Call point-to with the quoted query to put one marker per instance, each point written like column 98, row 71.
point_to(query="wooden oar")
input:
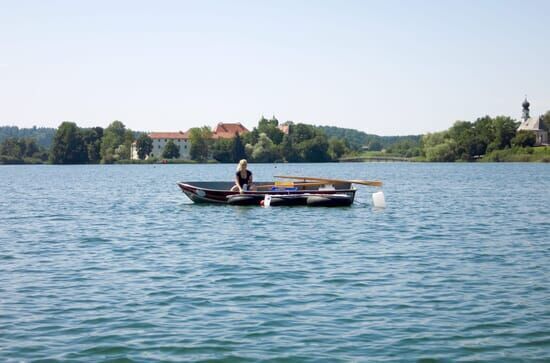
column 374, row 183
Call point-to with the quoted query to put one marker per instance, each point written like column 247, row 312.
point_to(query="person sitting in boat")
column 243, row 178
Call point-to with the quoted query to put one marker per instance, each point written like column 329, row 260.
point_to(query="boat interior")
column 273, row 186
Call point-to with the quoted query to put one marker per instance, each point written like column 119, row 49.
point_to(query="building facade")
column 181, row 139
column 160, row 139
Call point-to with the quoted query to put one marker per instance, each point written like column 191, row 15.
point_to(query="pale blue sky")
column 384, row 67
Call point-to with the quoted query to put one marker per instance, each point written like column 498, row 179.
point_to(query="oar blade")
column 372, row 183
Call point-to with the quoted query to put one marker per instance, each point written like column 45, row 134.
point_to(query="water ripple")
column 112, row 263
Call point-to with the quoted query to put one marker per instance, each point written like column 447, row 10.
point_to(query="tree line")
column 266, row 143
column 483, row 138
column 76, row 145
column 14, row 150
column 468, row 141
column 43, row 136
column 356, row 140
column 25, row 145
column 72, row 144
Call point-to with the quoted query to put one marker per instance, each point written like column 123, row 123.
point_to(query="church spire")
column 525, row 106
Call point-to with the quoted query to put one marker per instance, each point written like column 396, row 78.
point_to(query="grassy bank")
column 8, row 160
column 367, row 156
column 528, row 154
column 514, row 154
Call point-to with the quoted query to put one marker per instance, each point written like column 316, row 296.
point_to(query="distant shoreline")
column 539, row 154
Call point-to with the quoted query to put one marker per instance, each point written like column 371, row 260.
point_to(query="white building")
column 223, row 130
column 534, row 125
column 160, row 139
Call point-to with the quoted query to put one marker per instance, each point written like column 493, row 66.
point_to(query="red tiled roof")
column 228, row 130
column 169, row 135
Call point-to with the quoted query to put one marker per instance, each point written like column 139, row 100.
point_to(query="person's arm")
column 237, row 183
column 251, row 185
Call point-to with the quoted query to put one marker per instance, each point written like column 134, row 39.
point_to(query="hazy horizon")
column 391, row 68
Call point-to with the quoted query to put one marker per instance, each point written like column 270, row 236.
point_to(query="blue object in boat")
column 289, row 189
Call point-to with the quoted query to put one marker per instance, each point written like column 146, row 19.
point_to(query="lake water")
column 114, row 263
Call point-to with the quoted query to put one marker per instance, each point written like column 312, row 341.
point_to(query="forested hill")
column 356, row 139
column 42, row 135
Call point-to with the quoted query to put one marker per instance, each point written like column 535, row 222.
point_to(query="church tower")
column 525, row 106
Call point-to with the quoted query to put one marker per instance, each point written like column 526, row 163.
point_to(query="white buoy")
column 267, row 200
column 378, row 199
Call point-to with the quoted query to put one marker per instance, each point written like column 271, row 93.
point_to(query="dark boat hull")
column 218, row 192
column 289, row 200
column 245, row 199
column 335, row 200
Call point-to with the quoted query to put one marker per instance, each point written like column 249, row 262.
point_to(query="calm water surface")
column 107, row 263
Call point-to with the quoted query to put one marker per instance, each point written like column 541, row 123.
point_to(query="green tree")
column 463, row 133
column 484, row 134
column 504, row 131
column 171, row 150
column 68, row 146
column 222, row 150
column 11, row 147
column 375, row 145
column 265, row 150
column 22, row 147
column 271, row 129
column 200, row 143
column 238, row 151
column 435, row 138
column 315, row 149
column 113, row 136
column 41, row 135
column 445, row 151
column 405, row 147
column 31, row 147
column 125, row 152
column 524, row 138
column 303, row 132
column 92, row 140
column 336, row 148
column 251, row 137
column 144, row 146
column 439, row 146
column 546, row 121
column 288, row 151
